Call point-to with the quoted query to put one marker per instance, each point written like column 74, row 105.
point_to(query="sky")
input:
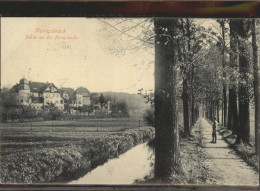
column 83, row 58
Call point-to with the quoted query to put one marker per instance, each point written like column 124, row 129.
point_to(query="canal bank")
column 61, row 163
column 134, row 164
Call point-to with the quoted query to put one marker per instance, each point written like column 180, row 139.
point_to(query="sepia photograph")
column 130, row 101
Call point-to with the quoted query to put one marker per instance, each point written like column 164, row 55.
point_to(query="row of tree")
column 232, row 89
column 215, row 69
column 224, row 75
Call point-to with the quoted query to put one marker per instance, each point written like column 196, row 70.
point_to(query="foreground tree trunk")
column 185, row 88
column 191, row 75
column 232, row 106
column 167, row 161
column 243, row 95
column 256, row 83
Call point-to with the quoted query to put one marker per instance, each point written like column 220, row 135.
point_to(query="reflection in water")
column 132, row 165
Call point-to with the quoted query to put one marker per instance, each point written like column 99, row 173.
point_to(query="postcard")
column 129, row 101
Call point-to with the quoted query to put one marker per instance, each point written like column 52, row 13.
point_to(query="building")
column 68, row 95
column 76, row 98
column 82, row 97
column 38, row 94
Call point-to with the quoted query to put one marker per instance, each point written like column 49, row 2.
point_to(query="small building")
column 82, row 97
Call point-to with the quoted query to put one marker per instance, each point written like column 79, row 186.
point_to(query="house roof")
column 15, row 88
column 69, row 91
column 82, row 90
column 38, row 87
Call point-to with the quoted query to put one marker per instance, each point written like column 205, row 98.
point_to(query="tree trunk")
column 222, row 114
column 191, row 75
column 256, row 82
column 193, row 120
column 185, row 88
column 243, row 96
column 185, row 102
column 167, row 160
column 222, row 24
column 234, row 114
column 218, row 113
column 234, row 59
column 230, row 117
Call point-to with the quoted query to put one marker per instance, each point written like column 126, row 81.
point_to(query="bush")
column 45, row 114
column 19, row 113
column 29, row 112
column 51, row 114
column 56, row 113
column 148, row 117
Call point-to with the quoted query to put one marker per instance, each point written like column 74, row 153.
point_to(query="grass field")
column 57, row 146
column 23, row 137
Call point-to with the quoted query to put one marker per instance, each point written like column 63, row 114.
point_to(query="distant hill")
column 134, row 102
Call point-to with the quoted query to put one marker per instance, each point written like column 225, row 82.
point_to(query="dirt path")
column 228, row 168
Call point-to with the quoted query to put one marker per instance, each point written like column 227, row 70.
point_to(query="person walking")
column 214, row 131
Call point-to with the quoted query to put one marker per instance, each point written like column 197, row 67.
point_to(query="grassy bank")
column 192, row 156
column 38, row 156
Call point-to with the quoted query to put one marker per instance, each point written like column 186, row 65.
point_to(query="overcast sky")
column 83, row 60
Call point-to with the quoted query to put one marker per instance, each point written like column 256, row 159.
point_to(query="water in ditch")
column 134, row 164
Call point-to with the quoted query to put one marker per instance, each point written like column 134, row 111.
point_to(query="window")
column 21, row 101
column 61, row 101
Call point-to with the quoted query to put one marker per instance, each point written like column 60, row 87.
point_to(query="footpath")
column 223, row 163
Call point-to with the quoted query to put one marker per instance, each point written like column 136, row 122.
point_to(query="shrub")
column 148, row 117
column 45, row 114
column 56, row 113
column 29, row 112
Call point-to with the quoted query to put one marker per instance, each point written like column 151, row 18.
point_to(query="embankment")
column 68, row 162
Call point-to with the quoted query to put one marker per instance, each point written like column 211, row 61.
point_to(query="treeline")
column 133, row 102
column 231, row 79
column 120, row 105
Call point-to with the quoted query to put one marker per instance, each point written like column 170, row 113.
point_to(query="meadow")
column 59, row 151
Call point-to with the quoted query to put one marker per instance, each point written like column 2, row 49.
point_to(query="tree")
column 185, row 88
column 223, row 45
column 167, row 158
column 190, row 43
column 243, row 133
column 256, row 72
column 207, row 81
column 234, row 62
column 119, row 108
column 101, row 100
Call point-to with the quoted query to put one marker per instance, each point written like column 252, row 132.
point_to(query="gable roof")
column 82, row 90
column 38, row 87
column 69, row 91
